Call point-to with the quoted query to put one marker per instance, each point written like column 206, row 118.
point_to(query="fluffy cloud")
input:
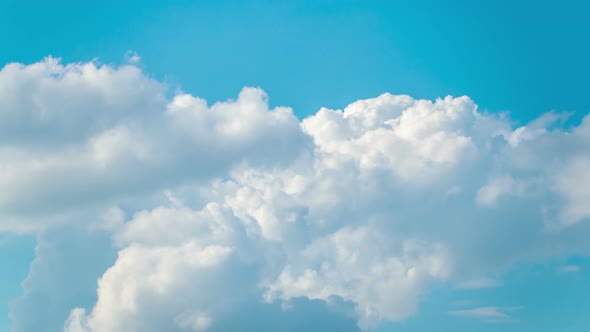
column 414, row 139
column 219, row 209
column 364, row 267
column 81, row 135
column 145, row 287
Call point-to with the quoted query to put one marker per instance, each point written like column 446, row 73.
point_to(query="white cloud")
column 81, row 135
column 480, row 283
column 414, row 139
column 197, row 321
column 76, row 322
column 488, row 314
column 497, row 187
column 132, row 57
column 215, row 207
column 573, row 182
column 570, row 269
column 147, row 285
column 364, row 267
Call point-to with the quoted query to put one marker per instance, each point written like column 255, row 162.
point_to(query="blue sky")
column 525, row 58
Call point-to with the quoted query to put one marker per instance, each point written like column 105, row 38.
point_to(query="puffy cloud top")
column 216, row 208
column 82, row 134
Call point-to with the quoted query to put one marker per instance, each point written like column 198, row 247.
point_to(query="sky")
column 287, row 166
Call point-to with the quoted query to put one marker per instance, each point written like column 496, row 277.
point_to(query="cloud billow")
column 223, row 209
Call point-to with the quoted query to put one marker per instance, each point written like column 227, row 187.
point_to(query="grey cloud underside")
column 232, row 208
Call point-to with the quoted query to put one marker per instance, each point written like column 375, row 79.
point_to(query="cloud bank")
column 228, row 209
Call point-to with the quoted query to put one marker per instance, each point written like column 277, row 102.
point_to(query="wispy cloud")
column 132, row 57
column 488, row 314
column 569, row 269
column 480, row 283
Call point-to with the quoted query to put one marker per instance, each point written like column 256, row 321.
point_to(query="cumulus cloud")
column 414, row 139
column 83, row 134
column 216, row 210
column 145, row 287
column 364, row 267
